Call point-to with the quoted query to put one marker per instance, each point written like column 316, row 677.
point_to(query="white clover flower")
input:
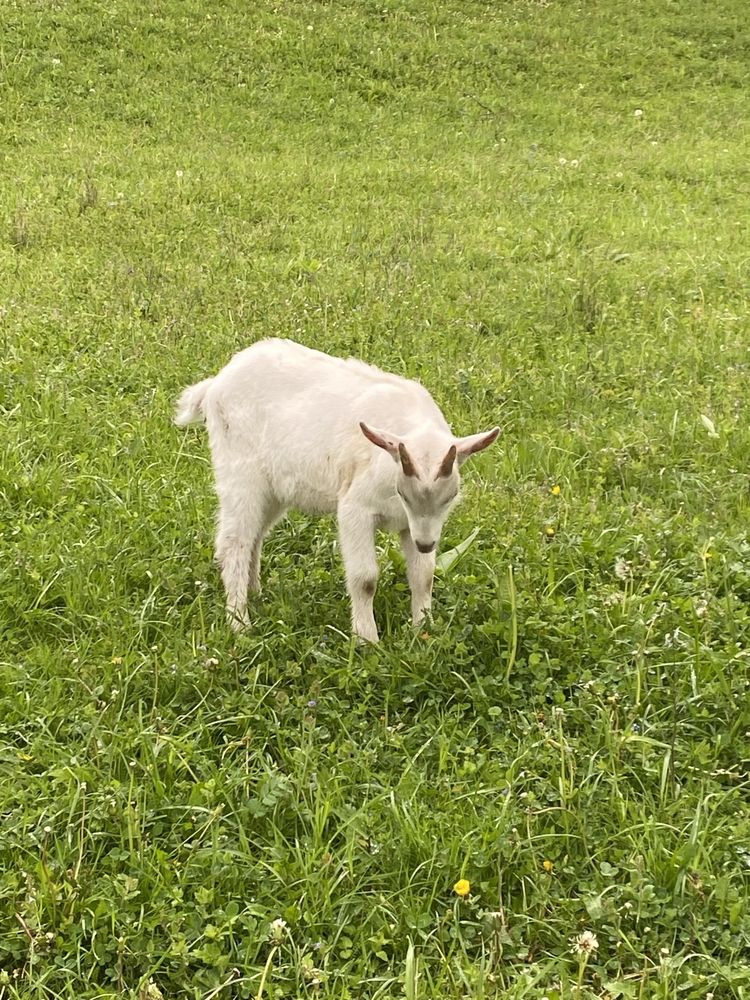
column 638, row 113
column 622, row 568
column 674, row 639
column 585, row 944
column 276, row 930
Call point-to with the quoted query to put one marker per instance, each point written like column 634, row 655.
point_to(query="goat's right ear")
column 391, row 443
column 388, row 442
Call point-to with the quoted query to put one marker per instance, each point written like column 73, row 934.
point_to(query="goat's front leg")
column 357, row 539
column 420, row 570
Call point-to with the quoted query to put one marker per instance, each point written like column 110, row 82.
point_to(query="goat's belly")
column 310, row 500
column 315, row 505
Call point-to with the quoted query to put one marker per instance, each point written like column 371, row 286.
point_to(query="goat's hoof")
column 237, row 622
column 366, row 640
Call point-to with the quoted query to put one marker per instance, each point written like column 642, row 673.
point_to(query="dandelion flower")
column 549, row 531
column 555, row 490
column 462, row 888
column 548, row 866
column 585, row 944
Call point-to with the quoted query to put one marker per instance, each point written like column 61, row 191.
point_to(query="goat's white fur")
column 291, row 427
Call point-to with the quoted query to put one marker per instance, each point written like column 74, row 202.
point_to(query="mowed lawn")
column 540, row 210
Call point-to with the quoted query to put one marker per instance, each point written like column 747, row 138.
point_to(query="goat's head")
column 427, row 478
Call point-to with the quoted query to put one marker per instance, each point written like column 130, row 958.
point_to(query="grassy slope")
column 462, row 192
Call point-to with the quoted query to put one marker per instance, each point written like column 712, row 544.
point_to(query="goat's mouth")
column 425, row 546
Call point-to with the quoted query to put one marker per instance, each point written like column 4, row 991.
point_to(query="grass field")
column 541, row 211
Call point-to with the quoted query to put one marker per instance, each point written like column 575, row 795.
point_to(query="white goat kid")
column 295, row 428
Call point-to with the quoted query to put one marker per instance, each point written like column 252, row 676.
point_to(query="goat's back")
column 288, row 384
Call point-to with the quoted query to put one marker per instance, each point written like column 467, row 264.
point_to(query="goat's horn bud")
column 446, row 466
column 406, row 463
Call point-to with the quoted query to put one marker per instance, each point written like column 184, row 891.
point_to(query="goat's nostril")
column 425, row 546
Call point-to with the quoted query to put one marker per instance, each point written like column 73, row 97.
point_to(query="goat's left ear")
column 467, row 446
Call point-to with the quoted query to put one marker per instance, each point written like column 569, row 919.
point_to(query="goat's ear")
column 467, row 446
column 446, row 466
column 388, row 442
column 391, row 443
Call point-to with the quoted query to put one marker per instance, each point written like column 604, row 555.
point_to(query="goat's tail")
column 190, row 404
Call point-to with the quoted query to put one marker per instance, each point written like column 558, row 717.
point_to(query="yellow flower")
column 117, row 660
column 549, row 531
column 547, row 865
column 462, row 888
column 555, row 491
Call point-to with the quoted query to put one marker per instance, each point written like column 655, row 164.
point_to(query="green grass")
column 464, row 193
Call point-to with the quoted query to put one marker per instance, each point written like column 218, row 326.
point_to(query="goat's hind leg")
column 270, row 511
column 245, row 515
